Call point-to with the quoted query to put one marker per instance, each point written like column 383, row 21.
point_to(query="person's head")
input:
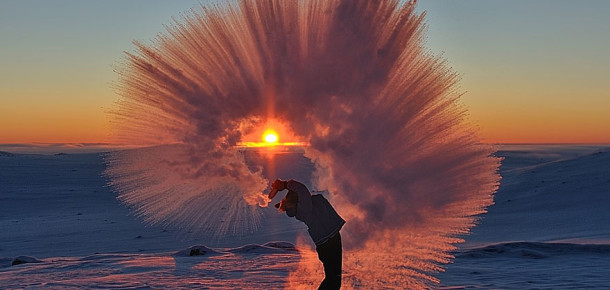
column 291, row 198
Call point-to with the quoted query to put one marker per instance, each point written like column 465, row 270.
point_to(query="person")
column 323, row 224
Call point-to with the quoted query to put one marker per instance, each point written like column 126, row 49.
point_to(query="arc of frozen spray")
column 389, row 138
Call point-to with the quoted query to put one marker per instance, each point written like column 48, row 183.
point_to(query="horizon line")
column 243, row 144
column 99, row 147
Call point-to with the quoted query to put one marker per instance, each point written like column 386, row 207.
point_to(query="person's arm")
column 304, row 205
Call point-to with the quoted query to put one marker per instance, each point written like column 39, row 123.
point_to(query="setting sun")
column 270, row 136
column 267, row 135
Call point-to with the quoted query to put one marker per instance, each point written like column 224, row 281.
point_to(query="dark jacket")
column 315, row 211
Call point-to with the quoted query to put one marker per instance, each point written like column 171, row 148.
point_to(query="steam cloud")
column 388, row 136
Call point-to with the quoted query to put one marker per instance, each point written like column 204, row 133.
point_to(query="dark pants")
column 330, row 253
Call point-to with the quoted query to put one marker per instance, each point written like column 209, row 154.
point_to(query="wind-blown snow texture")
column 388, row 137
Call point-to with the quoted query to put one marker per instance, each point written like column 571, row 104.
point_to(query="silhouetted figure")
column 323, row 224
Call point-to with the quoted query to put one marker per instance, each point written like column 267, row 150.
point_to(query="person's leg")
column 330, row 253
column 336, row 262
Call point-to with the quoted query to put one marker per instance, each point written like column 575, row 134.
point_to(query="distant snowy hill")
column 6, row 154
column 550, row 194
column 549, row 226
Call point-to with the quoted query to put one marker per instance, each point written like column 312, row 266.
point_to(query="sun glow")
column 268, row 134
column 270, row 137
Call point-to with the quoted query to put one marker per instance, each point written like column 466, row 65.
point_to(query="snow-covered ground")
column 62, row 227
column 549, row 227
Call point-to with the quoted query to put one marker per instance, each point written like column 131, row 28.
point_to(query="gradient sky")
column 533, row 71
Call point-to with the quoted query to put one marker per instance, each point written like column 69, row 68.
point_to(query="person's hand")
column 277, row 185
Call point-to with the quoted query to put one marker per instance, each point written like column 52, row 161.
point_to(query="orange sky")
column 63, row 126
column 518, row 121
column 48, row 112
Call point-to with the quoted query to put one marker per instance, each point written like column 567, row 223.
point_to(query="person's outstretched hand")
column 277, row 185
